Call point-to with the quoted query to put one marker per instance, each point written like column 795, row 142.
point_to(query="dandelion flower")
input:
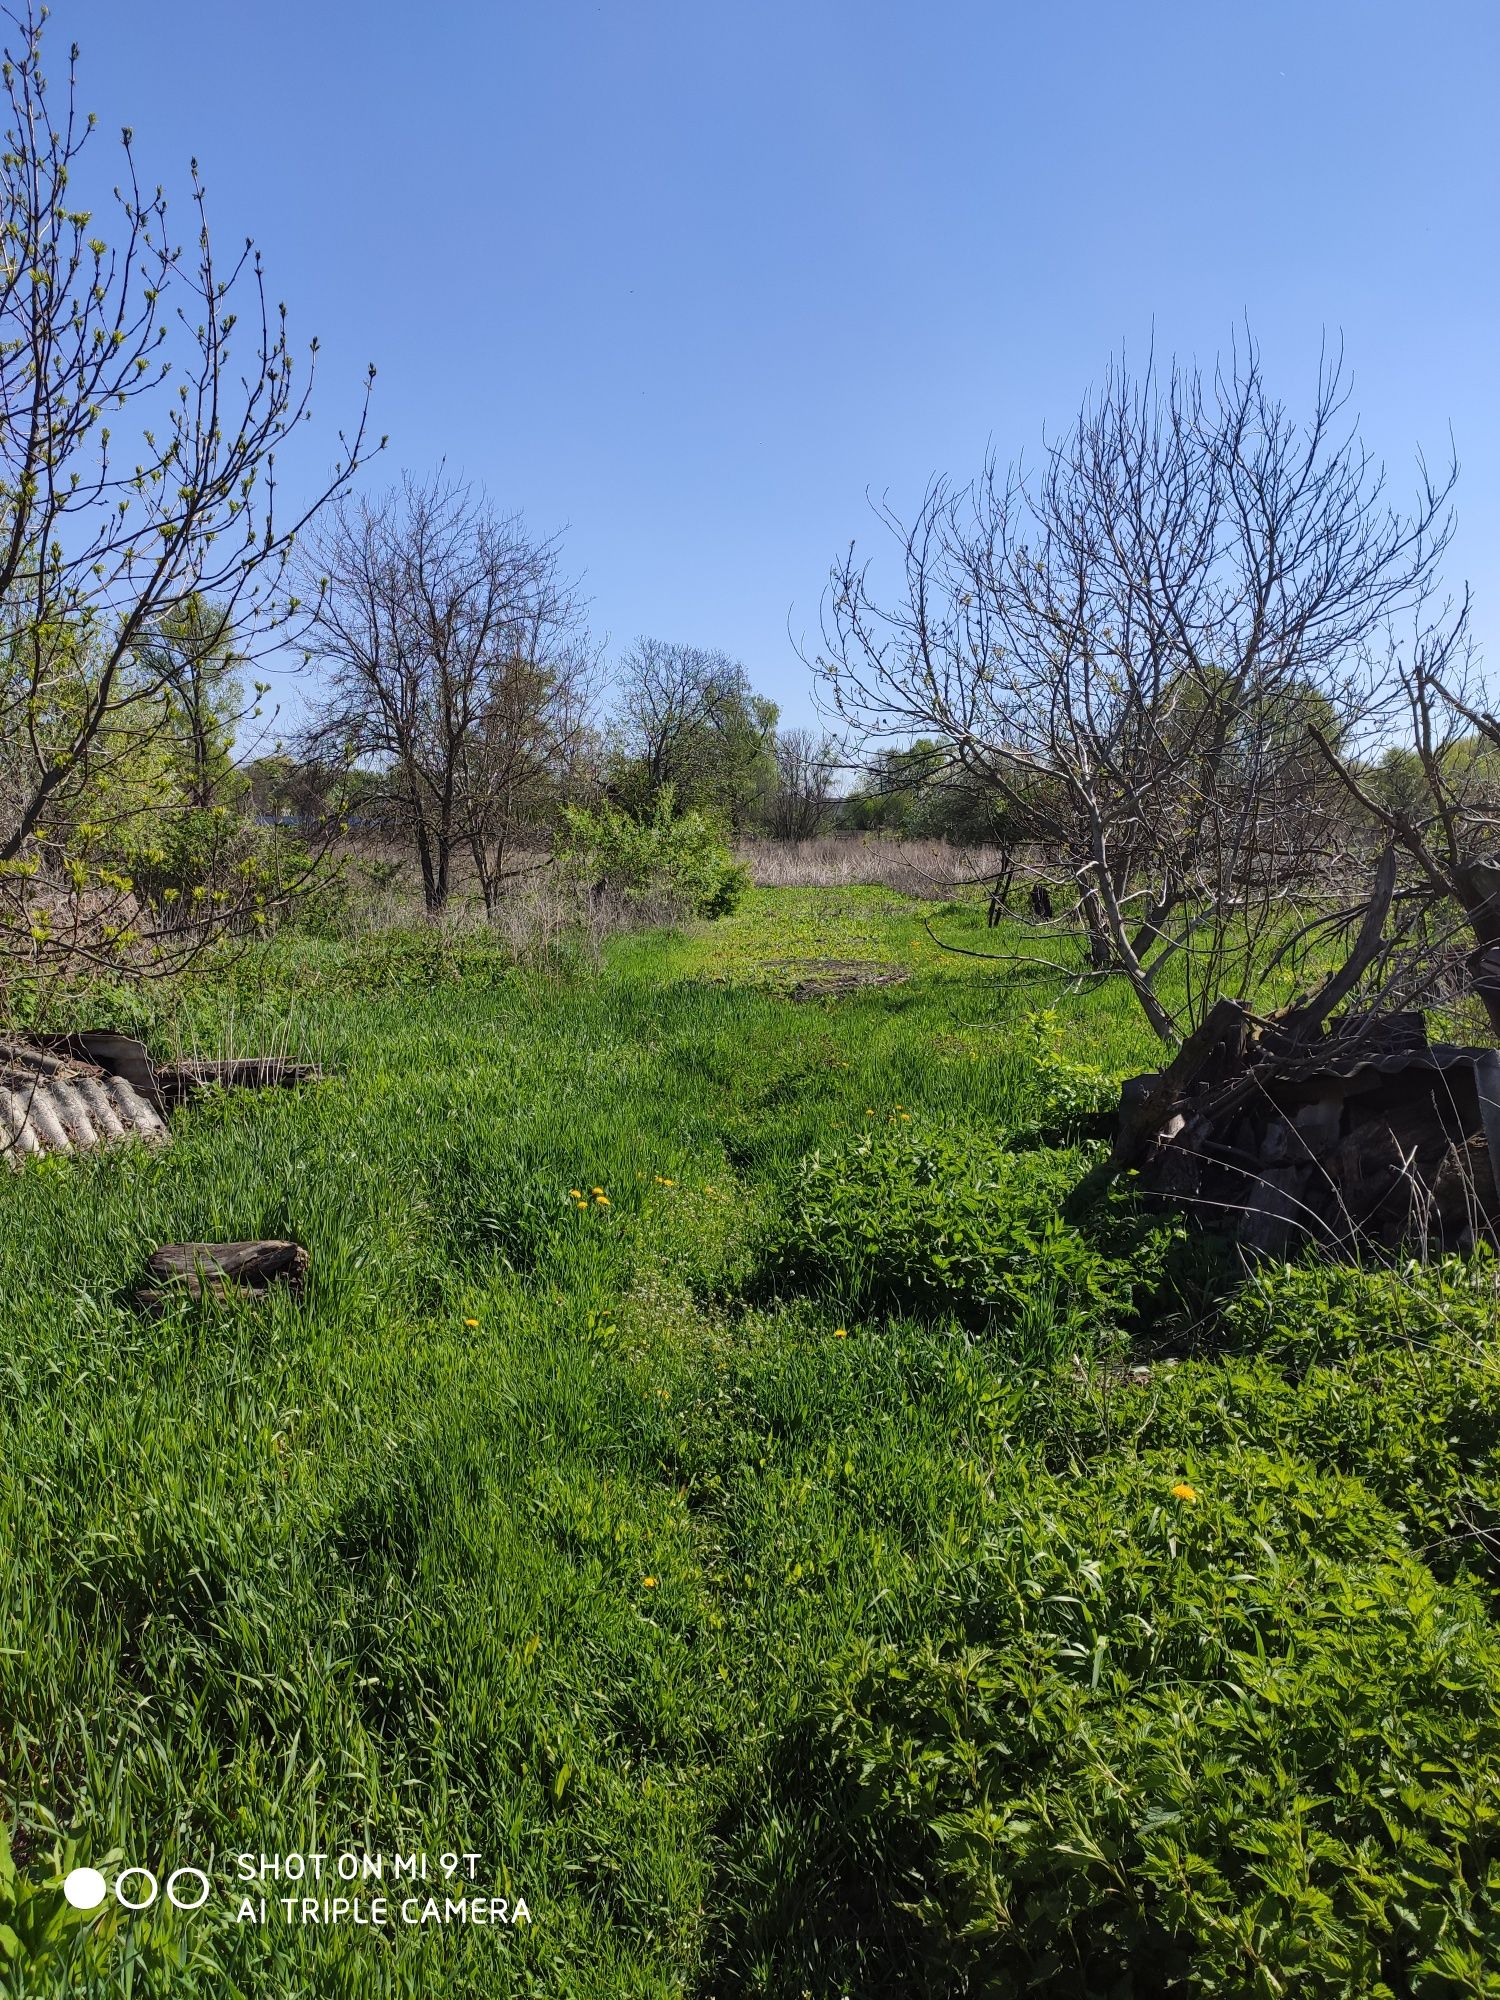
column 1182, row 1491
column 596, row 1190
column 601, row 1201
column 471, row 1322
column 577, row 1193
column 841, row 1333
column 648, row 1583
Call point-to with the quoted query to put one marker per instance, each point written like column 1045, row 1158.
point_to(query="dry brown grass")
column 931, row 869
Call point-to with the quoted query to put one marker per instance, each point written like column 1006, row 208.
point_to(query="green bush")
column 1390, row 1376
column 1171, row 1726
column 1069, row 1096
column 661, row 857
column 1315, row 1311
column 904, row 1224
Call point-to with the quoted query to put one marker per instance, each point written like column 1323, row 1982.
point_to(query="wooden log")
column 219, row 1270
column 179, row 1082
column 1146, row 1103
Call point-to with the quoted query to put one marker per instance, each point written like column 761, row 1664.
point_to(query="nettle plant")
column 900, row 1223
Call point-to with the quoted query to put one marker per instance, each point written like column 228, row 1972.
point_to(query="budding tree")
column 688, row 717
column 454, row 667
column 144, row 392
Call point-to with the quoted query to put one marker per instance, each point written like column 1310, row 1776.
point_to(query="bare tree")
column 807, row 770
column 454, row 665
column 1425, row 769
column 144, row 393
column 1150, row 630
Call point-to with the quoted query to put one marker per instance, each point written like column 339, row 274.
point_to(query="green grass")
column 728, row 1603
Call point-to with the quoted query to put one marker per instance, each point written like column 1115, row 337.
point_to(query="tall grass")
column 929, row 869
column 565, row 1521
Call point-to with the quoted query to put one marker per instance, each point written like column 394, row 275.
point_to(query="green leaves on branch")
column 663, row 859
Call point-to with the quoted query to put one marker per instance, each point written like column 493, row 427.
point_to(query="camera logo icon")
column 86, row 1888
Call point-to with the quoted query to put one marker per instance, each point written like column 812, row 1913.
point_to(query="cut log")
column 221, row 1270
column 180, row 1082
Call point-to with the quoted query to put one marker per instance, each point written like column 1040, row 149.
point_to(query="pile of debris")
column 70, row 1093
column 833, row 978
column 1281, row 1131
column 52, row 1101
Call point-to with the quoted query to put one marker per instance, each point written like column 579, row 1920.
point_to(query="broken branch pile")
column 1277, row 1133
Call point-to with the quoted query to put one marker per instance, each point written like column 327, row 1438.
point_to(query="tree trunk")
column 1478, row 886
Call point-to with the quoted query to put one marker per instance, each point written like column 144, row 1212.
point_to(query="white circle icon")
column 147, row 1900
column 85, row 1888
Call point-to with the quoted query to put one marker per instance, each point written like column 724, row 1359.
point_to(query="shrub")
column 1179, row 1728
column 1315, row 1311
column 899, row 1223
column 664, row 856
column 1070, row 1096
column 1390, row 1376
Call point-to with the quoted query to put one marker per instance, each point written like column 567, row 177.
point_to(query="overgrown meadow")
column 706, row 1478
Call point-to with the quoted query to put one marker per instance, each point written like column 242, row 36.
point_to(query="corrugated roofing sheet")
column 60, row 1104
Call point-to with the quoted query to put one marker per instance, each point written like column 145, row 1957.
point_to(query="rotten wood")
column 1147, row 1103
column 180, row 1082
column 1361, row 1131
column 222, row 1270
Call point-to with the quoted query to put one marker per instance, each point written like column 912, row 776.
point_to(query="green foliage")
column 690, row 720
column 902, row 1223
column 923, row 792
column 46, row 1946
column 1392, row 1376
column 769, row 1642
column 1300, row 1313
column 664, row 856
column 1222, row 1735
column 1070, row 1095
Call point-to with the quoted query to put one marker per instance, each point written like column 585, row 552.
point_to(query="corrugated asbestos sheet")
column 62, row 1103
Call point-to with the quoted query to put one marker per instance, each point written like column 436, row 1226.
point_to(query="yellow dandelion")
column 596, row 1190
column 600, row 1201
column 471, row 1322
column 648, row 1583
column 577, row 1193
column 1182, row 1491
column 841, row 1333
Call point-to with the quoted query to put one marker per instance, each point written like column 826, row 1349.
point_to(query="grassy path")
column 455, row 1553
column 530, row 1532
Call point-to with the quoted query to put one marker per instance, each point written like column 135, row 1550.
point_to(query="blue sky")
column 683, row 281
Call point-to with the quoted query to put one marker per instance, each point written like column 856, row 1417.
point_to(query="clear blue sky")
column 685, row 279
